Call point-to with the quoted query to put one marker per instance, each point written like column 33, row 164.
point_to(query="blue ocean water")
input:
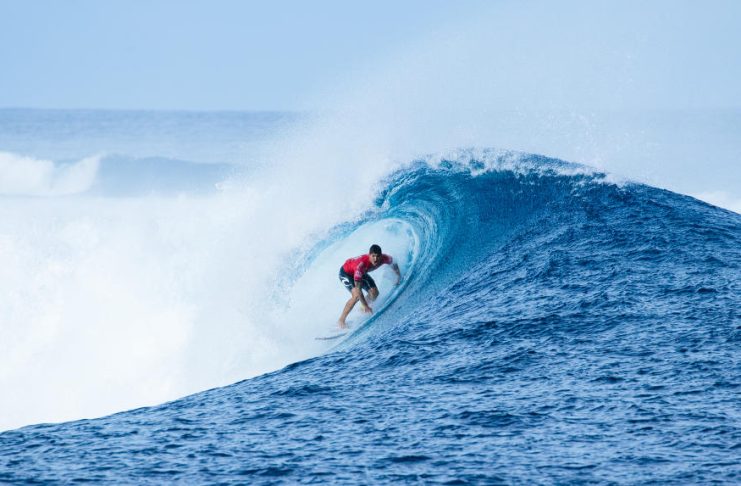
column 555, row 327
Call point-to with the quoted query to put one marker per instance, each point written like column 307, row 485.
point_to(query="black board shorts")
column 348, row 281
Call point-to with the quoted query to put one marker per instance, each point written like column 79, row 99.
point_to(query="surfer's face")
column 375, row 258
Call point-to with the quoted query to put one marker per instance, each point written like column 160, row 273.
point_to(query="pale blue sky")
column 234, row 54
column 204, row 54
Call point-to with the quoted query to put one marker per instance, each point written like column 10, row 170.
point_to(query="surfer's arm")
column 361, row 297
column 396, row 270
column 358, row 277
column 388, row 260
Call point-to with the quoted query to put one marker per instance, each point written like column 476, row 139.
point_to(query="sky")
column 277, row 55
column 197, row 54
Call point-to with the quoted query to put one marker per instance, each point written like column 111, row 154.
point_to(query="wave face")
column 554, row 327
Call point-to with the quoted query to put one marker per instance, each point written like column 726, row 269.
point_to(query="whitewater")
column 165, row 274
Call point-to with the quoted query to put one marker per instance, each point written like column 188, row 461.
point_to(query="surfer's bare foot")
column 342, row 325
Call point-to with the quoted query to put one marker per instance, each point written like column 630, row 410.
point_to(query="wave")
column 541, row 298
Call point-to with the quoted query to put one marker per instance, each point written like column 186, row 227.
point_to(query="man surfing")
column 354, row 276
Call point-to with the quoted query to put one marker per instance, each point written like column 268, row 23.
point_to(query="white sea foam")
column 110, row 303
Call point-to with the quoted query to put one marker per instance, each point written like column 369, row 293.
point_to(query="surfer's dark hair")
column 375, row 249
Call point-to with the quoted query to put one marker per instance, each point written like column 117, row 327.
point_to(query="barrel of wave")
column 314, row 299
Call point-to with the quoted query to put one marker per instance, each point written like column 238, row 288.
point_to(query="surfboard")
column 336, row 332
column 333, row 337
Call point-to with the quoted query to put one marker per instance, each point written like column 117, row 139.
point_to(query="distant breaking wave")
column 28, row 176
column 109, row 175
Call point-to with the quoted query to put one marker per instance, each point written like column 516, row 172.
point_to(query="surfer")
column 354, row 276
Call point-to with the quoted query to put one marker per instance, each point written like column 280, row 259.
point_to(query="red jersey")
column 359, row 266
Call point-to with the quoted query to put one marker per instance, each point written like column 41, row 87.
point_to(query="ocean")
column 165, row 276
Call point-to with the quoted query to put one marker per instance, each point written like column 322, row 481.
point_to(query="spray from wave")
column 124, row 286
